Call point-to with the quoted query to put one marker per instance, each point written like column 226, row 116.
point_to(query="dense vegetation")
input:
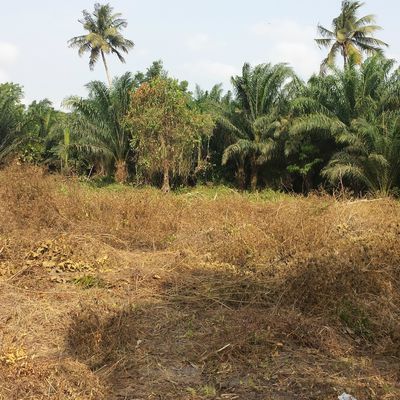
column 340, row 130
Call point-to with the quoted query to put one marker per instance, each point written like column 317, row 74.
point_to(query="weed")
column 88, row 281
column 355, row 319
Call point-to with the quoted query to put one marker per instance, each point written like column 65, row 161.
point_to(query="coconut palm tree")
column 350, row 35
column 101, row 128
column 262, row 94
column 103, row 36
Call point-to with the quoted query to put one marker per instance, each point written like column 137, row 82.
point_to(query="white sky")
column 202, row 41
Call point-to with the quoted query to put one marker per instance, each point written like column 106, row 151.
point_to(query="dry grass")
column 132, row 294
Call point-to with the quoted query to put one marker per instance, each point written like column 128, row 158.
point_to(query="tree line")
column 339, row 130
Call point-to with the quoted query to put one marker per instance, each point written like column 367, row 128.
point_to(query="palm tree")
column 42, row 123
column 327, row 105
column 350, row 35
column 261, row 97
column 371, row 153
column 371, row 156
column 11, row 117
column 101, row 122
column 103, row 37
column 358, row 109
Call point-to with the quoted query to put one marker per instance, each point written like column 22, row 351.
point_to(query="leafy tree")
column 218, row 105
column 155, row 70
column 101, row 130
column 41, row 123
column 11, row 117
column 371, row 153
column 165, row 129
column 324, row 108
column 327, row 105
column 262, row 95
column 103, row 36
column 357, row 109
column 350, row 35
column 210, row 103
column 371, row 157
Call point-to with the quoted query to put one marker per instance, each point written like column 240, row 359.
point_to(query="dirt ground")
column 132, row 294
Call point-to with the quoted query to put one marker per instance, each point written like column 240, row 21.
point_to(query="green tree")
column 350, row 35
column 11, row 117
column 323, row 109
column 357, row 109
column 101, row 130
column 165, row 129
column 371, row 153
column 262, row 95
column 41, row 123
column 155, row 70
column 326, row 106
column 219, row 105
column 103, row 37
column 371, row 157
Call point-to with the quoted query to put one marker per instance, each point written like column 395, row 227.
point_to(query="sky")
column 203, row 41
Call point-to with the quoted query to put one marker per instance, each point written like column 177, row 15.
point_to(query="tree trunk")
column 165, row 165
column 254, row 181
column 121, row 171
column 306, row 185
column 106, row 68
column 241, row 176
column 253, row 177
column 165, row 186
column 344, row 57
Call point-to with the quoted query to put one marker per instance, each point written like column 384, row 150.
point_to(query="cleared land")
column 131, row 294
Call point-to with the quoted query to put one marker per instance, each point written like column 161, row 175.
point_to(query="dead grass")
column 133, row 294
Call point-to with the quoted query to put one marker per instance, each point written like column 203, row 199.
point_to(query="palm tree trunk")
column 121, row 171
column 253, row 176
column 106, row 68
column 254, row 179
column 344, row 57
column 240, row 175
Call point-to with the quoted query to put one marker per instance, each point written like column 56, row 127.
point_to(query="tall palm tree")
column 103, row 37
column 261, row 97
column 101, row 122
column 350, row 35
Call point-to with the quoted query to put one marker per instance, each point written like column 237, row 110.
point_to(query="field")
column 122, row 293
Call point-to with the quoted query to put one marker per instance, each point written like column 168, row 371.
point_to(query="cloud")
column 288, row 41
column 8, row 56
